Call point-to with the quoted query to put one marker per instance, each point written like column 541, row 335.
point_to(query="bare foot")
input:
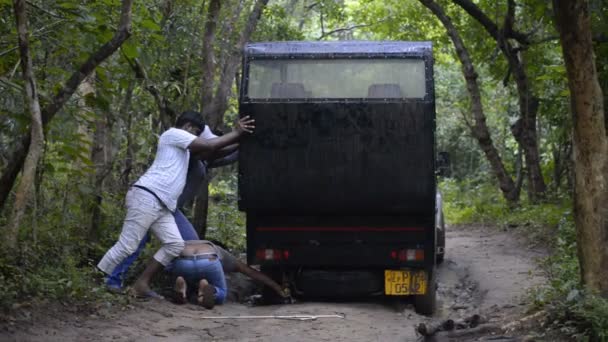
column 180, row 290
column 206, row 294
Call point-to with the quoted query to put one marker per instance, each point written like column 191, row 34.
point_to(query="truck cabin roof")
column 363, row 71
column 339, row 49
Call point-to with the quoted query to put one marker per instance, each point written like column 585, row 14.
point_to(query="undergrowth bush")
column 480, row 202
column 40, row 274
column 574, row 310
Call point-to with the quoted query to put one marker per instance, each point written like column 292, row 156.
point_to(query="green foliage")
column 574, row 310
column 276, row 25
column 43, row 272
column 225, row 223
column 479, row 201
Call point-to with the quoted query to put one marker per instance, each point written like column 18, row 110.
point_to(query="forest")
column 86, row 88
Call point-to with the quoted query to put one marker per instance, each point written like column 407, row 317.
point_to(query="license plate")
column 404, row 282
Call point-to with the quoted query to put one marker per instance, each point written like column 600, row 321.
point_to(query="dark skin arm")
column 224, row 151
column 205, row 148
column 260, row 277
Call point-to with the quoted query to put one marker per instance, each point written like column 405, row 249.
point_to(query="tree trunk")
column 36, row 131
column 201, row 208
column 219, row 104
column 524, row 130
column 208, row 60
column 17, row 158
column 126, row 172
column 590, row 143
column 215, row 107
column 102, row 158
column 479, row 130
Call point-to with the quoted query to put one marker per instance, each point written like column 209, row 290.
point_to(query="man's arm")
column 261, row 277
column 227, row 160
column 205, row 148
column 219, row 154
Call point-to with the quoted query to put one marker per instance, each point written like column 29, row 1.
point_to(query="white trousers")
column 144, row 212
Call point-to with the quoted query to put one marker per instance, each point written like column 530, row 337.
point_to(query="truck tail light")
column 272, row 254
column 408, row 254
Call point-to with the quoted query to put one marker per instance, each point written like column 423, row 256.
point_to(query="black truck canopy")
column 341, row 128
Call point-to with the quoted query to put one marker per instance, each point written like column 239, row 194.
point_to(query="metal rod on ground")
column 294, row 317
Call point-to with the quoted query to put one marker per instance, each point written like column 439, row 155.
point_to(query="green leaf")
column 103, row 103
column 150, row 25
column 68, row 5
column 84, row 189
column 130, row 50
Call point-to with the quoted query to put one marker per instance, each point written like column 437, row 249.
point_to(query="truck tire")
column 426, row 304
column 441, row 241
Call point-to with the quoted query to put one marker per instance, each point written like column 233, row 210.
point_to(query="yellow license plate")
column 404, row 282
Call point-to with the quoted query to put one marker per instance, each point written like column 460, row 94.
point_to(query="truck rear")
column 338, row 180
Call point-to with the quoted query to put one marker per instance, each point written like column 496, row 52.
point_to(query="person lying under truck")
column 200, row 268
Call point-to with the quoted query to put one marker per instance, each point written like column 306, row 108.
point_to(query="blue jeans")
column 193, row 270
column 185, row 229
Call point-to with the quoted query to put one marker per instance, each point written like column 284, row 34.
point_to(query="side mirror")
column 443, row 164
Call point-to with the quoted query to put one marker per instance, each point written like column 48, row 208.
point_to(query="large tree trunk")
column 102, row 158
column 36, row 132
column 590, row 143
column 215, row 107
column 479, row 130
column 219, row 104
column 201, row 208
column 17, row 158
column 524, row 130
column 208, row 60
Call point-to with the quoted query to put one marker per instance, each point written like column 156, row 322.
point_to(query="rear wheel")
column 440, row 240
column 426, row 304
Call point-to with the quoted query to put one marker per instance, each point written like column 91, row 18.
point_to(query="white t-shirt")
column 167, row 175
column 207, row 134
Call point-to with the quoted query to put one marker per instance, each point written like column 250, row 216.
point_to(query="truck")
column 338, row 181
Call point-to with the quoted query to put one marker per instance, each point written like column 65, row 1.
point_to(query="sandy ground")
column 485, row 272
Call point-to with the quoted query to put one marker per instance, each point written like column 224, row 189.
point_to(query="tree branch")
column 105, row 51
column 487, row 23
column 34, row 152
column 161, row 101
column 63, row 95
column 45, row 10
column 326, row 34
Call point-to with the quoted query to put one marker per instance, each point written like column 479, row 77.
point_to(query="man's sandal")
column 150, row 294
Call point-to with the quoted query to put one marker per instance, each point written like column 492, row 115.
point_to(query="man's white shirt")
column 167, row 175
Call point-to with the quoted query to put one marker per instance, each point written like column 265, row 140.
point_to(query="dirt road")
column 485, row 272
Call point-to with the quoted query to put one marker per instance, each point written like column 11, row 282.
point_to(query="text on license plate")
column 404, row 282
